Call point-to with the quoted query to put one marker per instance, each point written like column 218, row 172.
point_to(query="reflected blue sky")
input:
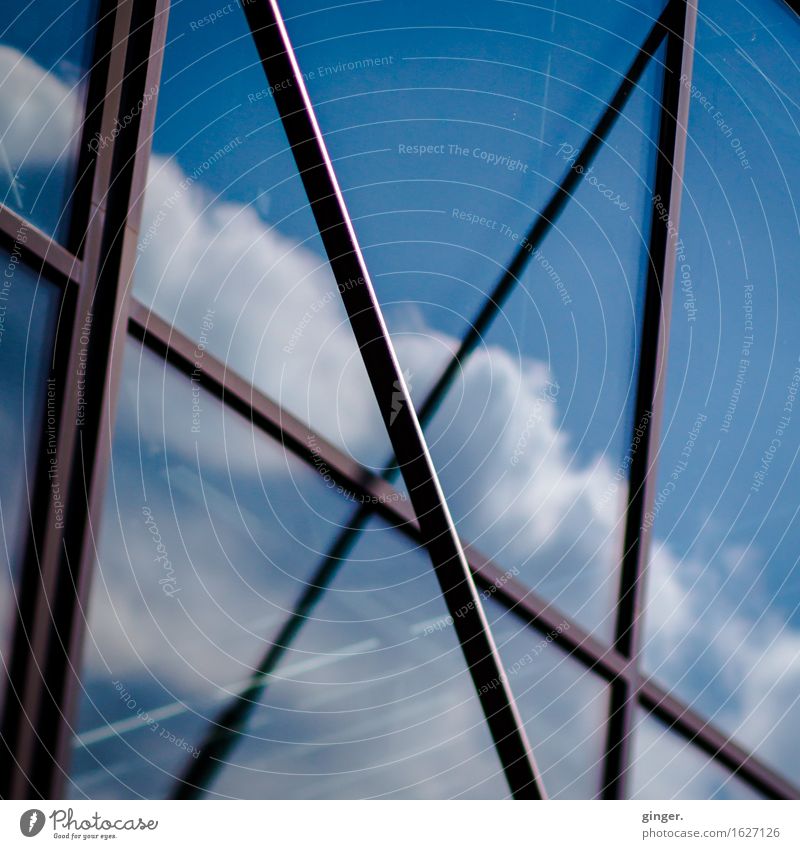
column 496, row 90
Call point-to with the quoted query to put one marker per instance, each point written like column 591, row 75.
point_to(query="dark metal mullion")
column 394, row 402
column 27, row 659
column 109, row 251
column 88, row 158
column 60, row 265
column 651, row 384
column 239, row 395
column 121, row 211
column 17, row 663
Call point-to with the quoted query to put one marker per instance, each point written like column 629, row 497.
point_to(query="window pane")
column 45, row 56
column 436, row 111
column 374, row 700
column 723, row 621
column 563, row 704
column 229, row 251
column 211, row 533
column 665, row 766
column 533, row 441
column 29, row 309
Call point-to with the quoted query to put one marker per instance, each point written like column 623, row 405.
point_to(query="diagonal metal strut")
column 222, row 735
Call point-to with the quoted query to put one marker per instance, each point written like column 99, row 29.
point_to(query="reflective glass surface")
column 449, row 126
column 564, row 706
column 722, row 620
column 29, row 308
column 374, row 698
column 210, row 536
column 665, row 766
column 229, row 250
column 45, row 56
column 533, row 440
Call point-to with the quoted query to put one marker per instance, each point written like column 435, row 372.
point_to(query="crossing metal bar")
column 394, row 400
column 642, row 481
column 295, row 436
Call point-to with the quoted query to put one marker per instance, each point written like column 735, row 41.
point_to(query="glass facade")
column 430, row 436
column 722, row 614
column 44, row 69
column 227, row 233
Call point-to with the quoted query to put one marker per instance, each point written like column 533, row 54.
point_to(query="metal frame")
column 668, row 187
column 63, row 267
column 394, row 399
column 46, row 652
column 94, row 271
column 222, row 731
column 295, row 436
column 547, row 218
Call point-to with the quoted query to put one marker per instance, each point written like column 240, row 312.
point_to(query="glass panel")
column 45, row 56
column 665, row 766
column 563, row 704
column 374, row 698
column 533, row 441
column 29, row 309
column 229, row 251
column 208, row 535
column 449, row 125
column 211, row 534
column 723, row 613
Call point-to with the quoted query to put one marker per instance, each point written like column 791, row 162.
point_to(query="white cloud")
column 278, row 317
